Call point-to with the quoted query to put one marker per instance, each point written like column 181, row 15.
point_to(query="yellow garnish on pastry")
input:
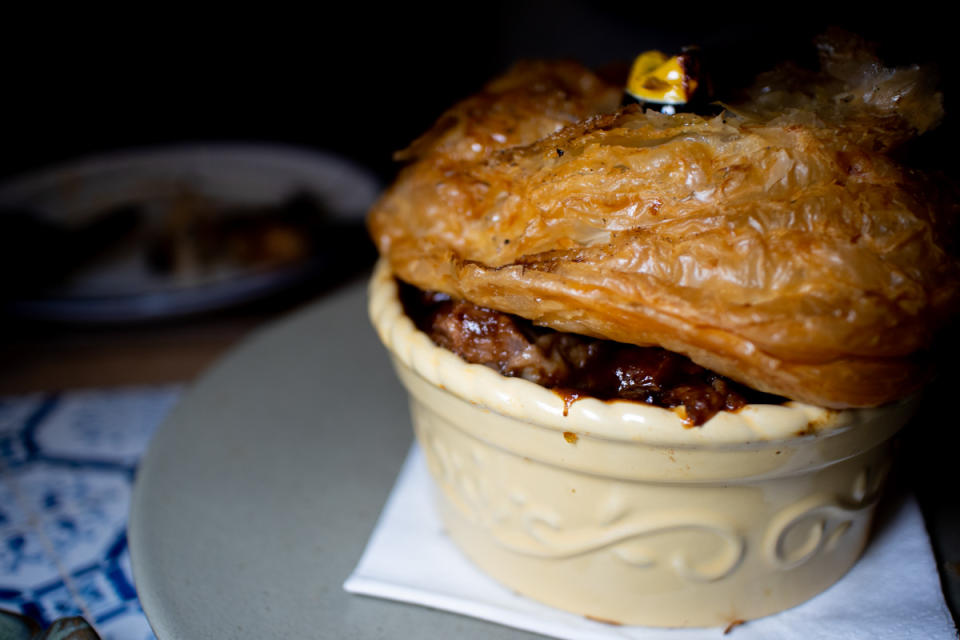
column 657, row 78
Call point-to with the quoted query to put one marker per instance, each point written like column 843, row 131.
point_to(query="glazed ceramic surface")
column 618, row 510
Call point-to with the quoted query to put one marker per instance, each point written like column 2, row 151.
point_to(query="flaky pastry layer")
column 780, row 247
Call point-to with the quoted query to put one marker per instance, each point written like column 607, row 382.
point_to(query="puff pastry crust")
column 777, row 244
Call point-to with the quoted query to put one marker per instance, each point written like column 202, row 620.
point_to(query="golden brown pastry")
column 777, row 244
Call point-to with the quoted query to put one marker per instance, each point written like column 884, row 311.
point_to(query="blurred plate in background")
column 173, row 231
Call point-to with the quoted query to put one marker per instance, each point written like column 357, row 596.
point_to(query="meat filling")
column 575, row 365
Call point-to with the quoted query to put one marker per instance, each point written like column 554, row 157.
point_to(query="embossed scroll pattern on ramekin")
column 524, row 526
column 794, row 535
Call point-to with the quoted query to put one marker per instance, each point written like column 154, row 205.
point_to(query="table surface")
column 45, row 357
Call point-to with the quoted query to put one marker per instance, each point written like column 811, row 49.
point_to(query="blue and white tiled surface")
column 67, row 463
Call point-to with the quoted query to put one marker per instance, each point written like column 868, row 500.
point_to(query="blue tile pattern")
column 67, row 463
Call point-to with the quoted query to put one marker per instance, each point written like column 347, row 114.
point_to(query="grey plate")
column 257, row 495
column 120, row 287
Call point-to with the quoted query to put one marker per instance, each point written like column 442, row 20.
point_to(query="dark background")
column 361, row 80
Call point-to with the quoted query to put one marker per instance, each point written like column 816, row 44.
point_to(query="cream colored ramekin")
column 618, row 511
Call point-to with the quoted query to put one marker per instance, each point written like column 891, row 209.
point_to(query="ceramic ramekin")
column 618, row 511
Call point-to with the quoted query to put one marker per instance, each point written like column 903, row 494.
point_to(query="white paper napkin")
column 893, row 592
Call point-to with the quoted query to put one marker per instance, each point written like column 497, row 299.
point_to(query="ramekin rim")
column 614, row 419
